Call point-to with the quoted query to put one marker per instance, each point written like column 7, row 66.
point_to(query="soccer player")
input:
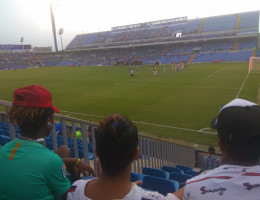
column 132, row 73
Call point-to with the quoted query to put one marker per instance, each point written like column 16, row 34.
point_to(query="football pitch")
column 177, row 106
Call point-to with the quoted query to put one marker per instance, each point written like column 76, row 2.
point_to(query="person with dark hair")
column 210, row 161
column 238, row 127
column 116, row 148
column 27, row 169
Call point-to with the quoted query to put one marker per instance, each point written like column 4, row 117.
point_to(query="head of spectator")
column 116, row 145
column 210, row 161
column 116, row 148
column 33, row 111
column 39, row 172
column 211, row 150
column 238, row 127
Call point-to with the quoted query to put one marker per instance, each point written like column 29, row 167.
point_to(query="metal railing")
column 154, row 152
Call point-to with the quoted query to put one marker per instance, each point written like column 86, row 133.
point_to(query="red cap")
column 33, row 96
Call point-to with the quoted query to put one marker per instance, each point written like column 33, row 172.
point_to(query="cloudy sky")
column 31, row 18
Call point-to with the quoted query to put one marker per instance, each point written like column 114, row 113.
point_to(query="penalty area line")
column 242, row 86
column 146, row 123
column 215, row 72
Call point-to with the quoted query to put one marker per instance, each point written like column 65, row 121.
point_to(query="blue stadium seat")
column 192, row 173
column 4, row 139
column 202, row 170
column 181, row 178
column 183, row 168
column 4, row 132
column 136, row 177
column 155, row 172
column 163, row 186
column 172, row 169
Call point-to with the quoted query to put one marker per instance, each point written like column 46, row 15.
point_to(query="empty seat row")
column 178, row 176
column 164, row 181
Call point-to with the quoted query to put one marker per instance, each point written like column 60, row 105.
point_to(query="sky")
column 31, row 19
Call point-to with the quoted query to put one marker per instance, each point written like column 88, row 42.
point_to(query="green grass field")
column 172, row 105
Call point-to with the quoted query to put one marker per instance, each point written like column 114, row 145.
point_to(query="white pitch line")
column 178, row 86
column 146, row 123
column 242, row 86
column 215, row 72
column 174, row 127
column 82, row 114
column 204, row 129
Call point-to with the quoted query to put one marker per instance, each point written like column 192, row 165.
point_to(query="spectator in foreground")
column 210, row 161
column 27, row 169
column 238, row 127
column 116, row 148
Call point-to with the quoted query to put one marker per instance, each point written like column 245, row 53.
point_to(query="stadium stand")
column 233, row 24
column 225, row 38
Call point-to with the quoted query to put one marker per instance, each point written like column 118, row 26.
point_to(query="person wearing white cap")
column 238, row 127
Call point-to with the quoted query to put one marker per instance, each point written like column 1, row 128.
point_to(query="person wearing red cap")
column 27, row 169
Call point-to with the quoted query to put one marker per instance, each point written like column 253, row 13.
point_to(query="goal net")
column 254, row 64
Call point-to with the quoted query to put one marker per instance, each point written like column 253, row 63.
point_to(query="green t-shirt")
column 30, row 171
column 78, row 133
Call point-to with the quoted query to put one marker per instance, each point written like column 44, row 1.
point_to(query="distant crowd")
column 147, row 55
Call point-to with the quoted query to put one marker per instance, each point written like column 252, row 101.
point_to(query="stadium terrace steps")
column 235, row 46
column 6, row 58
column 201, row 26
column 100, row 36
column 164, row 51
column 126, row 37
column 238, row 22
column 181, row 50
column 63, row 59
column 159, row 32
column 191, row 58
